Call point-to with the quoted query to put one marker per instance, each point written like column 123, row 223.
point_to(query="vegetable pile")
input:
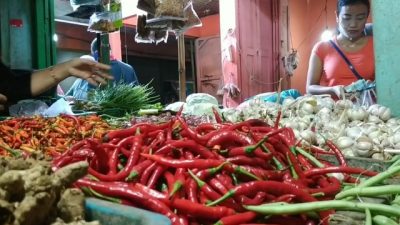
column 50, row 136
column 215, row 173
column 122, row 98
column 31, row 194
column 358, row 131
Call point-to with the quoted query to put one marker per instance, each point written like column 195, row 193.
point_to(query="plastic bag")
column 362, row 93
column 147, row 5
column 172, row 8
column 76, row 3
column 108, row 21
column 143, row 34
column 191, row 19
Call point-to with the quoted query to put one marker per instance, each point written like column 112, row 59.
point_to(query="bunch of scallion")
column 122, row 98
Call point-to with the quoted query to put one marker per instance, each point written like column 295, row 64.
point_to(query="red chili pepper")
column 339, row 169
column 137, row 170
column 237, row 219
column 189, row 145
column 197, row 210
column 244, row 160
column 229, row 137
column 260, row 198
column 271, row 187
column 213, row 195
column 184, row 163
column 207, row 127
column 284, row 198
column 304, row 162
column 339, row 155
column 179, row 181
column 191, row 190
column 217, row 185
column 329, row 186
column 147, row 173
column 131, row 193
column 217, row 117
column 149, row 191
column 151, row 183
column 132, row 161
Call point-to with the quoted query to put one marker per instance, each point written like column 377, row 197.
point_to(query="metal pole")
column 182, row 67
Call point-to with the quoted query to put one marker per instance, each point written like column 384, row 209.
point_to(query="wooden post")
column 182, row 67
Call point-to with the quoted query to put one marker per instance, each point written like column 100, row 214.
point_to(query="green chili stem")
column 278, row 164
column 199, row 182
column 228, row 194
column 247, row 173
column 299, row 208
column 292, row 170
column 252, row 148
column 310, row 157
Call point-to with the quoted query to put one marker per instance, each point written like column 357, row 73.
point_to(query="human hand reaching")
column 94, row 72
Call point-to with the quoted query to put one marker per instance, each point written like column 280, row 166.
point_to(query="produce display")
column 358, row 131
column 50, row 136
column 260, row 163
column 225, row 173
column 31, row 194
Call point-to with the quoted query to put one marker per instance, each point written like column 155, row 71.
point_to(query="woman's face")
column 351, row 20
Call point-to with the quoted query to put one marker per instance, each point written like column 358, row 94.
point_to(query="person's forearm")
column 43, row 80
column 320, row 90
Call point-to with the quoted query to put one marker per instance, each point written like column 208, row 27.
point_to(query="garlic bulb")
column 308, row 136
column 354, row 132
column 344, row 142
column 357, row 114
column 344, row 104
column 384, row 113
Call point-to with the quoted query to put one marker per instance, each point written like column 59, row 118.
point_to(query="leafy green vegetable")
column 123, row 98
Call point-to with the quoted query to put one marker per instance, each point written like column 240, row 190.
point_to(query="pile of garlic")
column 358, row 131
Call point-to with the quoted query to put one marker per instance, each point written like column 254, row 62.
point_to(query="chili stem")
column 278, row 164
column 298, row 208
column 310, row 157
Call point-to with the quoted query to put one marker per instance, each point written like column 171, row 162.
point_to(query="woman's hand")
column 95, row 73
column 3, row 100
column 338, row 90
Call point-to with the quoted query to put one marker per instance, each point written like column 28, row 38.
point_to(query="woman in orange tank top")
column 328, row 72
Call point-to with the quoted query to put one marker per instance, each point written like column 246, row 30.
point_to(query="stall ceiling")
column 64, row 12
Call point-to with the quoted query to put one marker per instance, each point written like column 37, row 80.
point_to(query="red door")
column 256, row 44
column 209, row 69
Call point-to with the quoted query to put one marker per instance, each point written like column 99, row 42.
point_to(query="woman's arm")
column 314, row 76
column 95, row 73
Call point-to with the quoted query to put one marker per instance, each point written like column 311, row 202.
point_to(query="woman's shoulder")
column 321, row 48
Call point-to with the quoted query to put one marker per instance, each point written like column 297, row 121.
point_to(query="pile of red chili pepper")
column 50, row 136
column 207, row 174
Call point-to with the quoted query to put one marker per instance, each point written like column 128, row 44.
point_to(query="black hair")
column 341, row 3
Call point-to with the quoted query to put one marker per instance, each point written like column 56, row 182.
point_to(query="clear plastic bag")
column 108, row 21
column 192, row 19
column 362, row 93
column 101, row 23
column 143, row 34
column 172, row 8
